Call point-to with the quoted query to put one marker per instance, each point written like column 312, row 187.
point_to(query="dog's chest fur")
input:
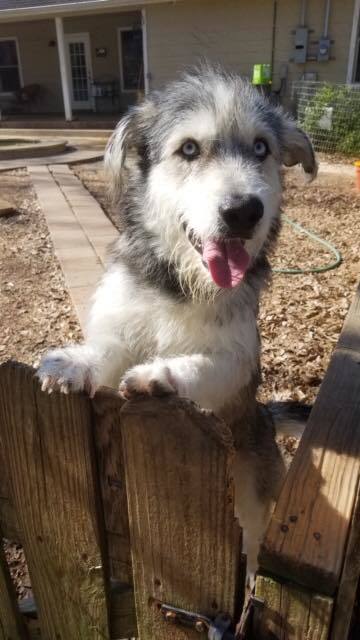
column 153, row 324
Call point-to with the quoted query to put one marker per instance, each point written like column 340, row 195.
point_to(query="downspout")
column 326, row 19
column 145, row 51
column 273, row 40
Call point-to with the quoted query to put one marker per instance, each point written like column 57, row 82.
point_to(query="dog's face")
column 205, row 157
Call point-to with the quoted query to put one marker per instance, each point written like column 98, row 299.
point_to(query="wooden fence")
column 310, row 558
column 72, row 470
column 120, row 507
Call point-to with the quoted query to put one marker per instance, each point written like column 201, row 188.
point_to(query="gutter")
column 50, row 11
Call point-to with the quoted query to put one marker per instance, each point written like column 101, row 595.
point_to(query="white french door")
column 79, row 67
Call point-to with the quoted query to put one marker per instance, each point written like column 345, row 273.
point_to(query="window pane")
column 8, row 54
column 79, row 72
column 9, row 79
column 132, row 59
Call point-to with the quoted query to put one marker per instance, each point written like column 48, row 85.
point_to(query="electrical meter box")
column 323, row 50
column 301, row 45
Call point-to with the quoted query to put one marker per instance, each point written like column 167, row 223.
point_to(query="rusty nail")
column 284, row 528
column 293, row 518
column 317, row 535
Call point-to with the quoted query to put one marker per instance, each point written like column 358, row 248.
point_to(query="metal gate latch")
column 217, row 629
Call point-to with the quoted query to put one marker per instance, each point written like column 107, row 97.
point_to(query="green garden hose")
column 315, row 238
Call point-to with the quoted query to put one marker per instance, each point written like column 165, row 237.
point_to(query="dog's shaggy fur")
column 196, row 172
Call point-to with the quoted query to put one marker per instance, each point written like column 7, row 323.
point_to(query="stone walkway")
column 79, row 229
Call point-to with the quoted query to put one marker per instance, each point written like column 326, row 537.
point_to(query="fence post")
column 185, row 541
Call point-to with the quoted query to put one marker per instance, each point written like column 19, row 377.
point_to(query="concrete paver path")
column 79, row 229
column 70, row 157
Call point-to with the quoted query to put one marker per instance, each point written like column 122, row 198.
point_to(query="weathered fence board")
column 12, row 626
column 106, row 407
column 49, row 450
column 185, row 541
column 8, row 521
column 308, row 534
column 349, row 580
column 291, row 613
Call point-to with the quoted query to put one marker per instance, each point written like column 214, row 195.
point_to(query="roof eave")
column 51, row 11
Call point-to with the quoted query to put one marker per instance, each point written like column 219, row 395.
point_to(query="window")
column 131, row 59
column 9, row 66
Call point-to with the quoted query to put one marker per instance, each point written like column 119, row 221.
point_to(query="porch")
column 81, row 70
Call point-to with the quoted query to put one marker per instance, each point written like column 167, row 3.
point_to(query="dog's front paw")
column 153, row 379
column 68, row 369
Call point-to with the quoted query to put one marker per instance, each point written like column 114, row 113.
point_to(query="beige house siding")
column 238, row 34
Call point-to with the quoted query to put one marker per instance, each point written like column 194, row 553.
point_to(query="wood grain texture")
column 12, row 626
column 349, row 580
column 184, row 538
column 307, row 537
column 291, row 613
column 124, row 617
column 49, row 452
column 106, row 407
column 8, row 520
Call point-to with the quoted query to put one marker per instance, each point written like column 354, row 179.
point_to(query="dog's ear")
column 127, row 148
column 297, row 149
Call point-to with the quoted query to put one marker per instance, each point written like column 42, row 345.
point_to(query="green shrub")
column 344, row 134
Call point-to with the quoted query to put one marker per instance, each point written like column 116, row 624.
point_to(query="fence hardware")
column 217, row 629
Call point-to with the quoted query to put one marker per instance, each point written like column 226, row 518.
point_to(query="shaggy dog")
column 196, row 173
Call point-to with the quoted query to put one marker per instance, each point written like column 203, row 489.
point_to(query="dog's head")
column 199, row 167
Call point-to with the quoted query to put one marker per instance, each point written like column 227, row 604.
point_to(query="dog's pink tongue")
column 227, row 261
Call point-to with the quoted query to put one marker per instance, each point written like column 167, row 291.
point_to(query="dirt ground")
column 300, row 317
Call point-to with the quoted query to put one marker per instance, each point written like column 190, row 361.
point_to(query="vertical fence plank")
column 8, row 520
column 12, row 626
column 185, row 540
column 107, row 405
column 49, row 452
column 290, row 612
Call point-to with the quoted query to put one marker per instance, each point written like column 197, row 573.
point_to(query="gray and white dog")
column 196, row 173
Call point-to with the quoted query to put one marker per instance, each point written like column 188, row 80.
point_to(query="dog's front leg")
column 209, row 380
column 83, row 367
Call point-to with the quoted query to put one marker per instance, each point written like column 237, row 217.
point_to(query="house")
column 75, row 56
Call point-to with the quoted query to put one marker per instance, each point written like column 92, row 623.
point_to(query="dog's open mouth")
column 226, row 259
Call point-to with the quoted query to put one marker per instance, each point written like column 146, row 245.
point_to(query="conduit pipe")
column 303, row 13
column 327, row 18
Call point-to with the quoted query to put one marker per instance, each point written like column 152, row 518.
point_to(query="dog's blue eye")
column 261, row 149
column 190, row 149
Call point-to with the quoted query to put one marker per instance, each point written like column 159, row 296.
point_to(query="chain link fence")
column 330, row 115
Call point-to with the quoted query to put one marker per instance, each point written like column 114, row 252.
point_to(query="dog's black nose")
column 241, row 213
